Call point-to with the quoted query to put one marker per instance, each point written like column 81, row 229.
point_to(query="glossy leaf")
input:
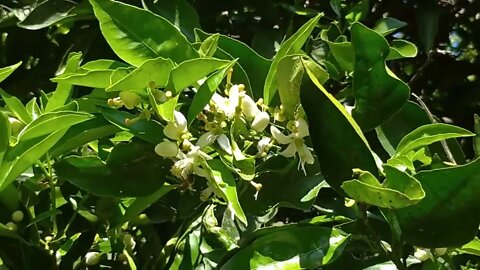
column 209, row 46
column 255, row 66
column 97, row 74
column 476, row 140
column 142, row 203
column 292, row 247
column 4, row 134
column 410, row 117
column 83, row 133
column 358, row 11
column 189, row 72
column 148, row 130
column 47, row 13
column 397, row 191
column 16, row 106
column 6, row 71
column 137, row 35
column 388, row 25
column 445, row 216
column 378, row 92
column 132, row 170
column 337, row 158
column 206, row 91
column 24, row 155
column 224, row 184
column 472, row 247
column 428, row 134
column 151, row 73
column 291, row 46
column 400, row 48
column 179, row 12
column 50, row 122
column 63, row 91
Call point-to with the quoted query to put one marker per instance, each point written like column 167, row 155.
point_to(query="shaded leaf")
column 16, row 107
column 209, row 46
column 388, row 25
column 47, row 13
column 445, row 216
column 378, row 92
column 340, row 148
column 293, row 247
column 6, row 71
column 400, row 48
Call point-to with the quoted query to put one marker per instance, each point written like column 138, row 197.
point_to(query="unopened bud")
column 166, row 149
column 261, row 121
column 11, row 226
column 130, row 99
column 249, row 107
column 440, row 251
column 92, row 258
column 17, row 216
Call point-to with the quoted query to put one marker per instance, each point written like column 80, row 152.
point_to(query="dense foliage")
column 149, row 135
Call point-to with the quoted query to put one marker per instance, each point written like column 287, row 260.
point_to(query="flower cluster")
column 230, row 124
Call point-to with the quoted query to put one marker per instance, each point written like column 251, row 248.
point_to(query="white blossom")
column 228, row 105
column 166, row 149
column 263, row 144
column 174, row 130
column 261, row 121
column 295, row 142
column 249, row 108
column 190, row 163
column 209, row 138
column 422, row 254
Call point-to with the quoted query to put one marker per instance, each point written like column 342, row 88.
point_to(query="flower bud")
column 17, row 216
column 11, row 226
column 249, row 107
column 224, row 143
column 92, row 258
column 422, row 254
column 129, row 242
column 175, row 129
column 261, row 121
column 440, row 251
column 130, row 99
column 15, row 125
column 206, row 139
column 166, row 149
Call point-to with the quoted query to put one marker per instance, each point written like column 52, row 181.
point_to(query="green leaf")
column 397, row 191
column 97, row 74
column 148, row 130
column 472, row 247
column 132, row 170
column 358, row 12
column 223, row 182
column 343, row 54
column 447, row 215
column 16, row 106
column 24, row 155
column 252, row 64
column 137, row 35
column 292, row 45
column 292, row 247
column 190, row 71
column 289, row 79
column 83, row 133
column 51, row 122
column 47, row 13
column 386, row 26
column 378, row 92
column 154, row 70
column 400, row 48
column 410, row 117
column 340, row 148
column 4, row 134
column 179, row 12
column 6, row 71
column 476, row 140
column 62, row 93
column 206, row 91
column 209, row 46
column 142, row 203
column 428, row 134
column 428, row 18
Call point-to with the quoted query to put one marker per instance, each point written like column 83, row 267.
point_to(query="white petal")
column 200, row 172
column 171, row 131
column 290, row 151
column 302, row 128
column 166, row 149
column 261, row 121
column 249, row 107
column 206, row 139
column 262, row 144
column 305, row 154
column 279, row 136
column 224, row 143
column 180, row 121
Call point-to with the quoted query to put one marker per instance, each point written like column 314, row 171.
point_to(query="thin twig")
column 420, row 71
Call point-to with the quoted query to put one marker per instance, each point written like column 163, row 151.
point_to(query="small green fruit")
column 17, row 216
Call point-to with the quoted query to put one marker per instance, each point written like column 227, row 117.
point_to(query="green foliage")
column 174, row 148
